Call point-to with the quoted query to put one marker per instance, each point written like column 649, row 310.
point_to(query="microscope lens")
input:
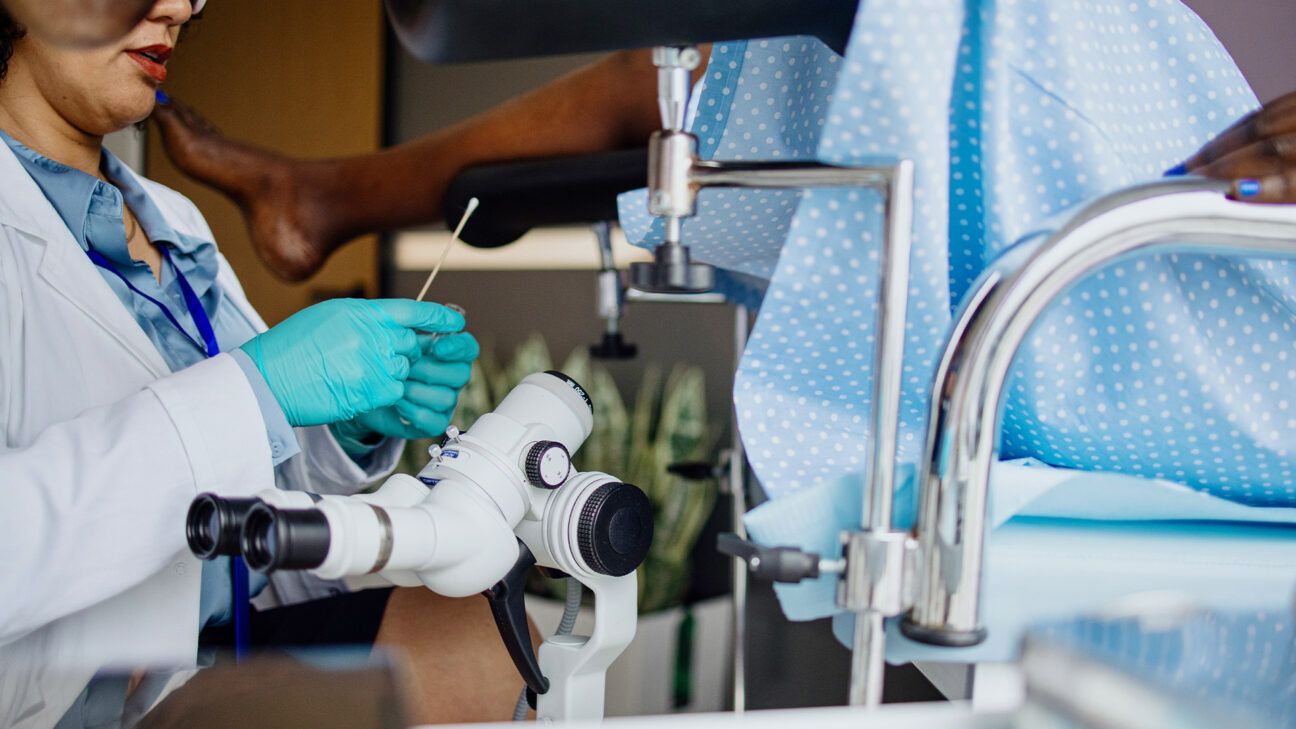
column 285, row 539
column 213, row 525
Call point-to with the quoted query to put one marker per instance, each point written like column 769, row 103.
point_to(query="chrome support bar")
column 610, row 299
column 883, row 176
column 737, row 510
column 1184, row 216
column 675, row 176
column 888, row 358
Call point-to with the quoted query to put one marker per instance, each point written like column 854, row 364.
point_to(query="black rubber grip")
column 777, row 564
column 508, row 607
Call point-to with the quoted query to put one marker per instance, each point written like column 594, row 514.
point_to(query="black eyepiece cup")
column 213, row 525
column 285, row 539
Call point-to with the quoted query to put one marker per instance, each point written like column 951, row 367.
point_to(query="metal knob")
column 548, row 464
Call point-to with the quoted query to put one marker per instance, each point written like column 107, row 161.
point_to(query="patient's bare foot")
column 298, row 212
column 285, row 202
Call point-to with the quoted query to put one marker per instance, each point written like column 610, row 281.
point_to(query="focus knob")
column 548, row 464
column 615, row 529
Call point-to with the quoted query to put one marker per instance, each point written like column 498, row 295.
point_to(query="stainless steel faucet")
column 1184, row 216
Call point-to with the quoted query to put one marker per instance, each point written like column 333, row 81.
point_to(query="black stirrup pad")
column 450, row 31
column 518, row 196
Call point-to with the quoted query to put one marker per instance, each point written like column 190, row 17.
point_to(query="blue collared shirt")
column 92, row 211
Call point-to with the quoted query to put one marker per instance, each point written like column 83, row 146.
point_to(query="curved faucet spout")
column 1185, row 215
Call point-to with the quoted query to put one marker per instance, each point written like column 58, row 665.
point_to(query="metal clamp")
column 674, row 82
column 879, row 574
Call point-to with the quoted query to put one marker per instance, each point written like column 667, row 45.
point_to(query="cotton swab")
column 445, row 253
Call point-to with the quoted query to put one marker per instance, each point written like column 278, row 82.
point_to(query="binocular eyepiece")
column 267, row 537
column 284, row 539
column 214, row 525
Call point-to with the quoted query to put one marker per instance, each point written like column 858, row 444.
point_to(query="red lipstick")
column 152, row 60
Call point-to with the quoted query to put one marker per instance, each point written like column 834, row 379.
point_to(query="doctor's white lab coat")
column 101, row 452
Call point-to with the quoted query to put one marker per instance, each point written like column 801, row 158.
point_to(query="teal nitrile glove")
column 336, row 360
column 430, row 396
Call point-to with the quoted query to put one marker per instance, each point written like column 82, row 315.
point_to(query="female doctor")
column 132, row 377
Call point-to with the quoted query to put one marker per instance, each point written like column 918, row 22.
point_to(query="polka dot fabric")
column 1235, row 664
column 1014, row 111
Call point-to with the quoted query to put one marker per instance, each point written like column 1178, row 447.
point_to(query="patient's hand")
column 1258, row 154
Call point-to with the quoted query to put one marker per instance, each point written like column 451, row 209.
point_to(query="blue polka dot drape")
column 1179, row 367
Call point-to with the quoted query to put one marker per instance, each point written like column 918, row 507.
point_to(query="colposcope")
column 492, row 503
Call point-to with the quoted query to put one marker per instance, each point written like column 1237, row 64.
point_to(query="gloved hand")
column 430, row 396
column 336, row 360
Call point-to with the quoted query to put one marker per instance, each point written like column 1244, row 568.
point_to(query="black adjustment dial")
column 548, row 464
column 615, row 529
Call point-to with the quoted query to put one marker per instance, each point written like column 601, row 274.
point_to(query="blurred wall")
column 301, row 77
column 1258, row 33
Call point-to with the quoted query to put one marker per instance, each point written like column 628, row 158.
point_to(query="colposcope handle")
column 508, row 606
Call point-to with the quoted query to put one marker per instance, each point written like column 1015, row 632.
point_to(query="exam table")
column 1040, row 565
column 1151, row 665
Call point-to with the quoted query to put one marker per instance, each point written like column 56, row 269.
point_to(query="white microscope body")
column 492, row 502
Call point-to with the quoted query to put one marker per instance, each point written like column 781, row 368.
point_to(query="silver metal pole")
column 738, row 508
column 888, row 356
column 867, row 655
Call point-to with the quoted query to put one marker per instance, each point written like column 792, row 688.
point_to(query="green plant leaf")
column 606, row 449
column 531, row 356
column 474, row 399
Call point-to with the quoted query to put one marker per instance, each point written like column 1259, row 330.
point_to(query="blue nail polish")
column 1248, row 188
column 162, row 98
column 1177, row 171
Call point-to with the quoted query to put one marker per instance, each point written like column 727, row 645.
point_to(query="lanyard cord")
column 192, row 303
column 209, row 345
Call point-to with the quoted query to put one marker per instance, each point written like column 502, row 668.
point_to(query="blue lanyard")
column 192, row 302
column 238, row 568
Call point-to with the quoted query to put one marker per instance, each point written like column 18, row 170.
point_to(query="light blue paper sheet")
column 1046, row 570
column 812, row 519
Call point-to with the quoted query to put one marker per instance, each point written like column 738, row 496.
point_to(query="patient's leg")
column 460, row 671
column 298, row 212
